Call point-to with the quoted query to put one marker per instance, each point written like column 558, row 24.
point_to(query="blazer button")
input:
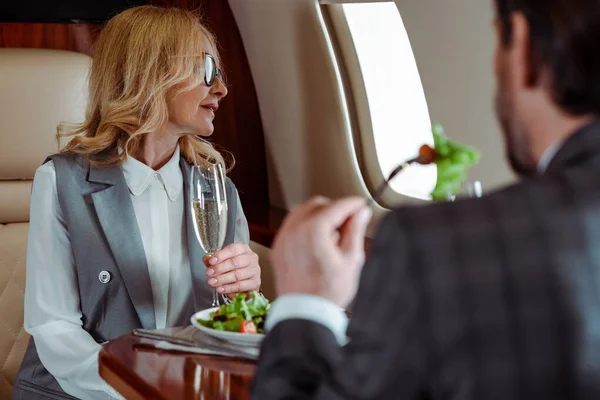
column 104, row 276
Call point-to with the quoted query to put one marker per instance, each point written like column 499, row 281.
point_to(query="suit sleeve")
column 385, row 357
column 242, row 232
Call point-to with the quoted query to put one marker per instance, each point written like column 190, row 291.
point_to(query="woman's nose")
column 219, row 89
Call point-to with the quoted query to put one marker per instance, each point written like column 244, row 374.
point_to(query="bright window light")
column 397, row 103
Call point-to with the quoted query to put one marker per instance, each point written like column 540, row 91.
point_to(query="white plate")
column 242, row 339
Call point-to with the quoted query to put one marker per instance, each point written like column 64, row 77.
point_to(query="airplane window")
column 397, row 117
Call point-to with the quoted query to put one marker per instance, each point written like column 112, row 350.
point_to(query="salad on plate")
column 240, row 315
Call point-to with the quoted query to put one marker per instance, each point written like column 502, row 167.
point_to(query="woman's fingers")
column 247, row 285
column 232, row 264
column 236, row 275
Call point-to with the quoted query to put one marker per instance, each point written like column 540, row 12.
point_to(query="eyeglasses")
column 211, row 71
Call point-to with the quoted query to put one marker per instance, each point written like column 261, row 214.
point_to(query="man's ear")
column 524, row 57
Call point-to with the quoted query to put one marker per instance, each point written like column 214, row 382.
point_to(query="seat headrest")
column 39, row 89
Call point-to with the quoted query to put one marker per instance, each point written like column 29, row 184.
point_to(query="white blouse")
column 52, row 314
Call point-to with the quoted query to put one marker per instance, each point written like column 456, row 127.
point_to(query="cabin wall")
column 310, row 147
column 310, row 137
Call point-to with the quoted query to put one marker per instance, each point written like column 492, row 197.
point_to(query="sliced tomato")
column 217, row 312
column 247, row 327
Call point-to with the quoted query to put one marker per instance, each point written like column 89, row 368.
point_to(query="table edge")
column 121, row 379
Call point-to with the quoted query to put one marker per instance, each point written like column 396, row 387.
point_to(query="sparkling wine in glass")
column 209, row 209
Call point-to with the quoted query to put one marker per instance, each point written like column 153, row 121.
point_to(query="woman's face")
column 193, row 111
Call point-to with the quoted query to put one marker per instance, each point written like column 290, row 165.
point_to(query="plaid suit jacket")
column 492, row 298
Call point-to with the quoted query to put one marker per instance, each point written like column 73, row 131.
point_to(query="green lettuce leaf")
column 452, row 160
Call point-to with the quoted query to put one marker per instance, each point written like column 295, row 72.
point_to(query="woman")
column 111, row 245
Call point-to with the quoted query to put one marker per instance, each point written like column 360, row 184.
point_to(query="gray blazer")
column 104, row 235
column 492, row 298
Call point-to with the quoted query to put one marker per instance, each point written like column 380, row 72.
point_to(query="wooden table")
column 138, row 371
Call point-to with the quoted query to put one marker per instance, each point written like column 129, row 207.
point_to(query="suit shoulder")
column 529, row 202
column 513, row 200
column 70, row 163
column 68, row 158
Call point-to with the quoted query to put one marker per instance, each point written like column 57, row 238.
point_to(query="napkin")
column 192, row 340
column 249, row 354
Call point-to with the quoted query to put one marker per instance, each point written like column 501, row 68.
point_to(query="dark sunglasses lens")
column 209, row 70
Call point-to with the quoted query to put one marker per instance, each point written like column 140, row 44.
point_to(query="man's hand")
column 320, row 249
column 234, row 269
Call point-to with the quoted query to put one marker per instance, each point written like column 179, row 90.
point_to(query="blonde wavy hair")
column 143, row 57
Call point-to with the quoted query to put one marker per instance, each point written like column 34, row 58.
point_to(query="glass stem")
column 215, row 301
column 215, row 295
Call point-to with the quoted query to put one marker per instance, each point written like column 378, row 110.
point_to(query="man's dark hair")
column 565, row 38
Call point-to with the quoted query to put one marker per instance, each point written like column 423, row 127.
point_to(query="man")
column 493, row 298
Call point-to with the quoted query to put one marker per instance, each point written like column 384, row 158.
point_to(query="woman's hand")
column 234, row 269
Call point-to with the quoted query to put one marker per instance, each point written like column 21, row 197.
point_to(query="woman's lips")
column 210, row 108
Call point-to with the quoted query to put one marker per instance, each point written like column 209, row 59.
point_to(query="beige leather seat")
column 38, row 90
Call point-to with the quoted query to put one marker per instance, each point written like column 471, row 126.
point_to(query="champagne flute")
column 468, row 189
column 209, row 209
column 471, row 189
